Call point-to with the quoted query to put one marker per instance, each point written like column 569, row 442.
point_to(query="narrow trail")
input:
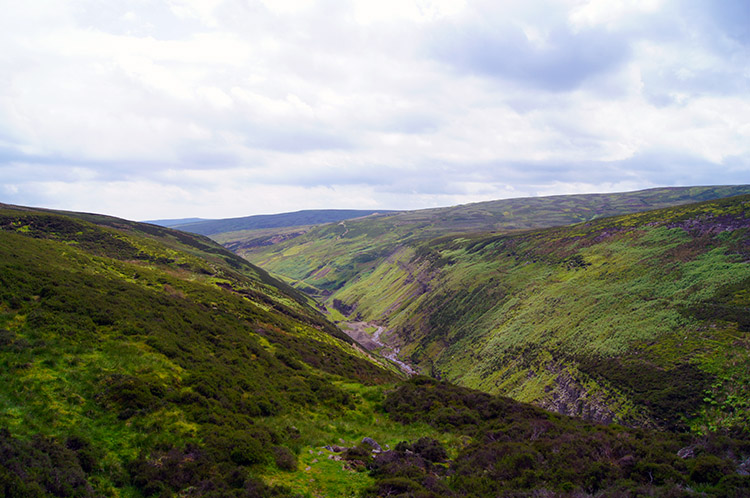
column 346, row 229
column 373, row 343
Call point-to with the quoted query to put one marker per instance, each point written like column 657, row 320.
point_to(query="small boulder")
column 374, row 444
column 687, row 452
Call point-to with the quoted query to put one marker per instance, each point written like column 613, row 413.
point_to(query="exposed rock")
column 334, row 448
column 374, row 444
column 687, row 452
column 744, row 468
column 571, row 398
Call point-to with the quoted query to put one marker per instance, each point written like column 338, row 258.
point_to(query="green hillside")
column 137, row 361
column 640, row 319
column 324, row 259
column 140, row 344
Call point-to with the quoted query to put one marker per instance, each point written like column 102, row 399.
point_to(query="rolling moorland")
column 142, row 361
column 639, row 319
column 321, row 260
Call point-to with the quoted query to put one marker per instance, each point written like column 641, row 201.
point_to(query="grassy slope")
column 323, row 260
column 151, row 346
column 640, row 318
column 139, row 363
column 637, row 318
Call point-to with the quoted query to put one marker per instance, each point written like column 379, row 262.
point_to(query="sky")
column 148, row 109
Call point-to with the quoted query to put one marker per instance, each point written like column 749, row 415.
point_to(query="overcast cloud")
column 221, row 108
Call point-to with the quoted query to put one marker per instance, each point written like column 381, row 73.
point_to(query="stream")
column 373, row 343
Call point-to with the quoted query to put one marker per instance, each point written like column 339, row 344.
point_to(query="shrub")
column 429, row 449
column 360, row 452
column 709, row 469
column 284, row 458
column 247, row 452
column 397, row 486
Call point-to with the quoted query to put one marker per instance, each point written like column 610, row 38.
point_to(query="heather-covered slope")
column 263, row 221
column 640, row 318
column 323, row 260
column 137, row 361
column 148, row 360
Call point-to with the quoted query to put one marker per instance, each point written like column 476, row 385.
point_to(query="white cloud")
column 610, row 12
column 226, row 108
column 202, row 10
column 368, row 12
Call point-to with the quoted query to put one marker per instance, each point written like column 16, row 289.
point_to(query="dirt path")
column 375, row 342
column 346, row 229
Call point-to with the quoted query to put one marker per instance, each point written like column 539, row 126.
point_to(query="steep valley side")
column 639, row 319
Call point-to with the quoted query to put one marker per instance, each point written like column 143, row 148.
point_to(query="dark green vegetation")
column 640, row 319
column 298, row 218
column 140, row 361
column 145, row 360
column 519, row 450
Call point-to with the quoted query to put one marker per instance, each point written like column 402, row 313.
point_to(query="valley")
column 390, row 355
column 373, row 337
column 560, row 317
column 360, row 249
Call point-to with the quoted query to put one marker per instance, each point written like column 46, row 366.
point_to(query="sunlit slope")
column 136, row 360
column 643, row 318
column 325, row 259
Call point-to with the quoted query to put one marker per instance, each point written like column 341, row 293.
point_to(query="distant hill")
column 175, row 222
column 282, row 220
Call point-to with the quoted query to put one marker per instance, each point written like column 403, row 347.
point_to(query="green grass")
column 153, row 347
column 328, row 477
column 517, row 313
column 137, row 361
